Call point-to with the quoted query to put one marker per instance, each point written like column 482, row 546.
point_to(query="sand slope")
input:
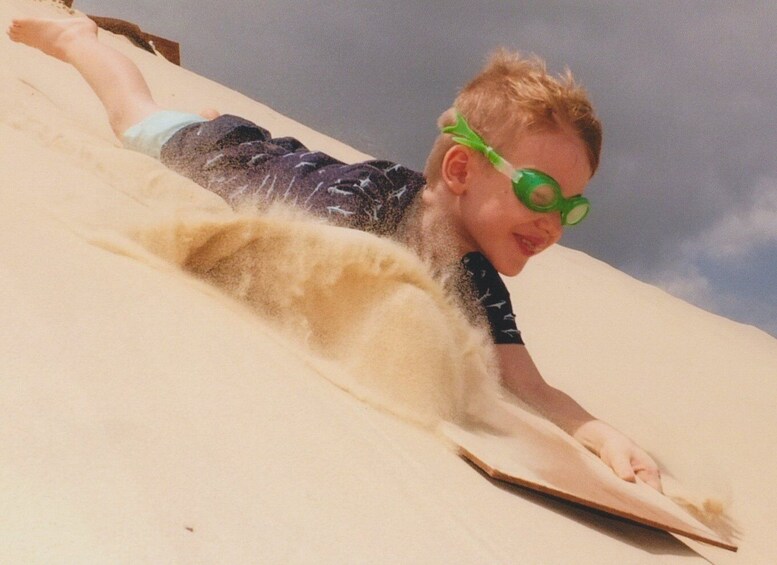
column 163, row 401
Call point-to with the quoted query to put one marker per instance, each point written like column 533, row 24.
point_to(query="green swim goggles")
column 537, row 191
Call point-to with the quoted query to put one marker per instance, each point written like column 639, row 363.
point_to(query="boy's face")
column 492, row 220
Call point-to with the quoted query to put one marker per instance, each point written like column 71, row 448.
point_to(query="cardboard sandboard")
column 536, row 455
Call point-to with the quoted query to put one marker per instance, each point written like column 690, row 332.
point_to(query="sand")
column 166, row 399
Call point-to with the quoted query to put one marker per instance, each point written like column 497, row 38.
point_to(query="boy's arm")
column 521, row 377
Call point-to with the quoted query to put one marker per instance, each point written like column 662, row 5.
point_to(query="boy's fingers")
column 651, row 477
column 631, row 463
column 621, row 466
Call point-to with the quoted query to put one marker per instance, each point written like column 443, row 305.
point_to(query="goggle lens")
column 541, row 193
column 577, row 213
column 543, row 197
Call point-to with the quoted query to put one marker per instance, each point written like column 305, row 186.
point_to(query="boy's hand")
column 629, row 461
column 522, row 378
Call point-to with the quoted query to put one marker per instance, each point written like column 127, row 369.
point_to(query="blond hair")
column 514, row 95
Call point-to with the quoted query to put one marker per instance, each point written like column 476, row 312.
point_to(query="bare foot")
column 53, row 37
column 210, row 113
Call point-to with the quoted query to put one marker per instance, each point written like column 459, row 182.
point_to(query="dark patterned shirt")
column 493, row 297
column 240, row 162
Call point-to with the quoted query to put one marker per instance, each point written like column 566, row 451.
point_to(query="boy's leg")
column 115, row 79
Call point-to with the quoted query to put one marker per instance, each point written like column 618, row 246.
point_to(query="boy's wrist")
column 593, row 434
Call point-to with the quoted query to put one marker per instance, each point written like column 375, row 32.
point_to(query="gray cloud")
column 685, row 90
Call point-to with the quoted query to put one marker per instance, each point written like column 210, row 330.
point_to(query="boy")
column 483, row 209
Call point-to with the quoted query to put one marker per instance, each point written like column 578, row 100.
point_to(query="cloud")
column 687, row 280
column 745, row 229
column 729, row 268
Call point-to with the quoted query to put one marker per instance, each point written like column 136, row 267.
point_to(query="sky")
column 686, row 195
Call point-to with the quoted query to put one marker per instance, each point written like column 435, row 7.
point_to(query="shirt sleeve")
column 493, row 298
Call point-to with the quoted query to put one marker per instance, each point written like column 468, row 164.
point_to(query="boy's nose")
column 550, row 223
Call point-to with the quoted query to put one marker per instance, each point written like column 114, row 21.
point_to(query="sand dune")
column 167, row 399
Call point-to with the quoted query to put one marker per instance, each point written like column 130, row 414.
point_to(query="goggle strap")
column 464, row 135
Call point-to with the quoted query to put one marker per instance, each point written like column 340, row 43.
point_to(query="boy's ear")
column 456, row 165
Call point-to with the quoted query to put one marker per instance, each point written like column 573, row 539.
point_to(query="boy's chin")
column 513, row 272
column 511, row 269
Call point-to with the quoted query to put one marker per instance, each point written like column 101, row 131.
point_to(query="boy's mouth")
column 528, row 245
